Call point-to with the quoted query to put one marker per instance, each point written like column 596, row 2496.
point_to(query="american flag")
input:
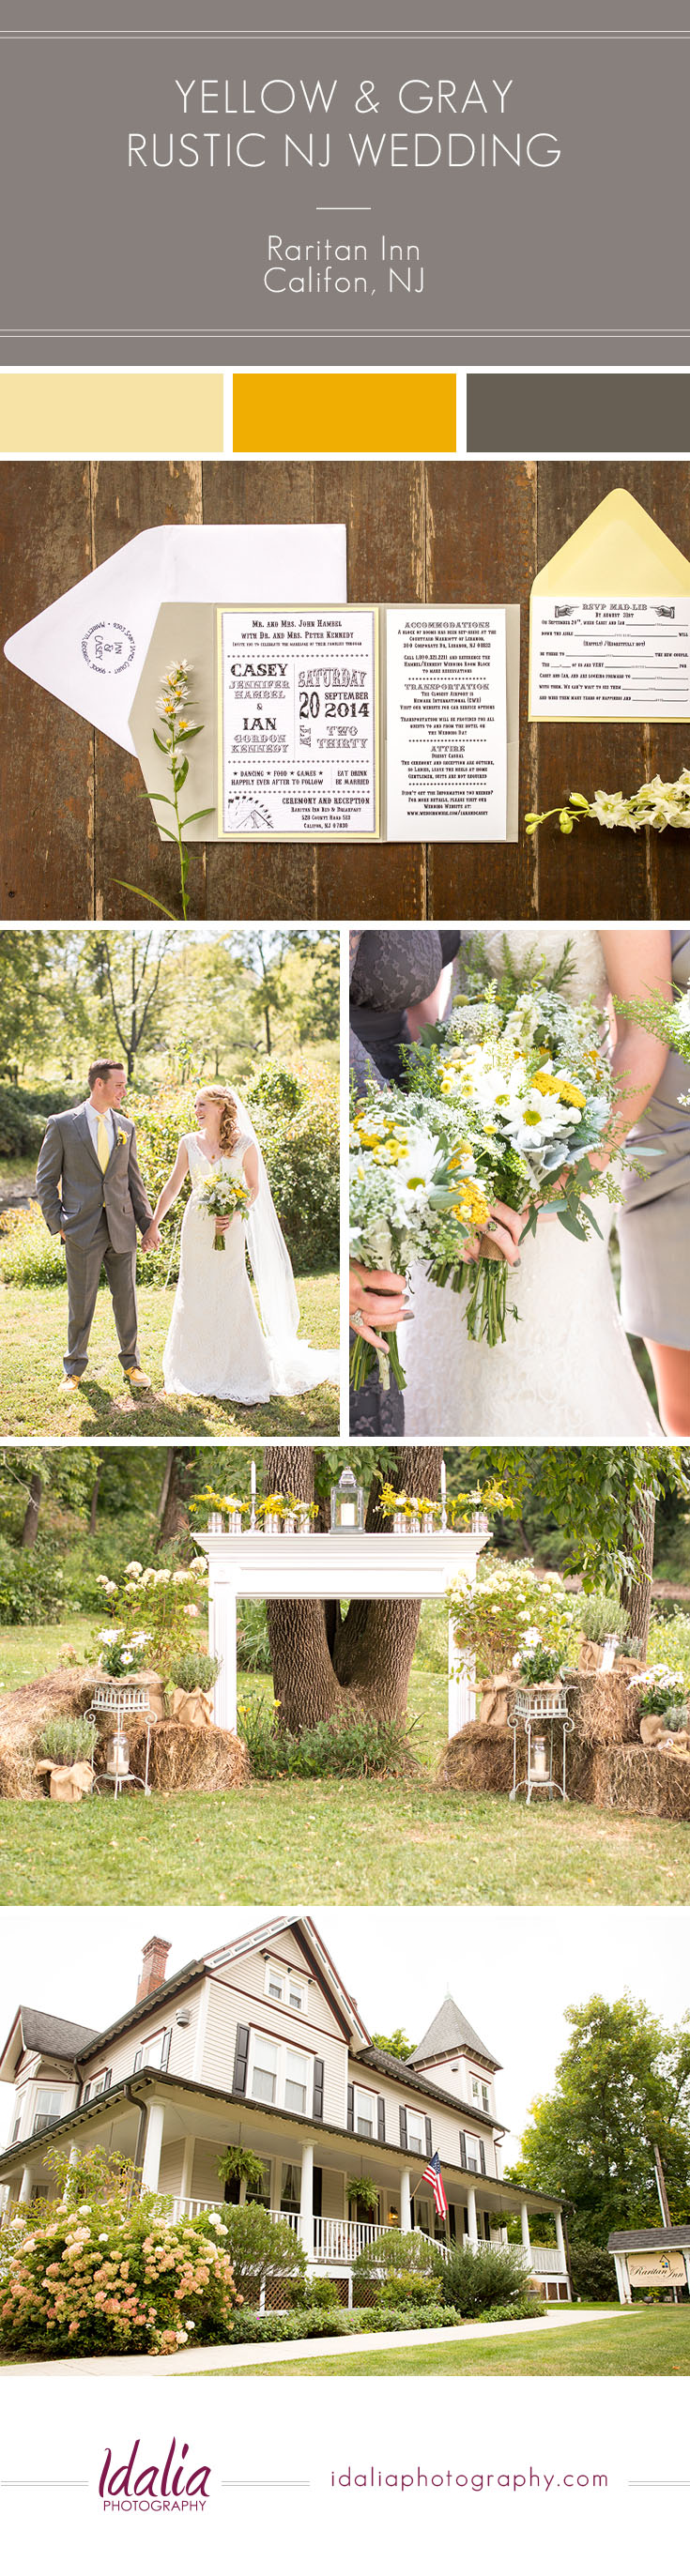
column 433, row 2175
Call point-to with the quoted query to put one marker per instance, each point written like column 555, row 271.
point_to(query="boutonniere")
column 122, row 1136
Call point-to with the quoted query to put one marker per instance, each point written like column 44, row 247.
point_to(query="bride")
column 565, row 1371
column 216, row 1344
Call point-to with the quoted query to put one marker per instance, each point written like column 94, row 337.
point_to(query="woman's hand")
column 221, row 1223
column 500, row 1239
column 378, row 1303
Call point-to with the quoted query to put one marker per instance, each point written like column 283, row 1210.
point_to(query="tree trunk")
column 95, row 1489
column 31, row 1515
column 172, row 1517
column 321, row 1662
column 636, row 1597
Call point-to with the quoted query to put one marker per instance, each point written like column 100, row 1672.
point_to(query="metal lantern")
column 542, row 1711
column 347, row 1502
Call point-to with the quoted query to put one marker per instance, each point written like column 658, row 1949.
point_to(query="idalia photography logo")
column 138, row 2485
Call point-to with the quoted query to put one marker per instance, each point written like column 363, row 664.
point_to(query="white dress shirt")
column 93, row 1116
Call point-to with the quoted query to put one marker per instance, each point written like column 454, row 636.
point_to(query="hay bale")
column 642, row 1780
column 481, row 1758
column 23, row 1715
column 197, row 1758
column 604, row 1709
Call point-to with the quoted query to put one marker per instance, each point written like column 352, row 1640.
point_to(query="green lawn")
column 650, row 2344
column 390, row 1842
column 348, row 1841
column 33, row 1321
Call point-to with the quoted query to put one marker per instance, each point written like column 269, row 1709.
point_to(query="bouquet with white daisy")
column 519, row 1078
column 410, row 1200
column 223, row 1195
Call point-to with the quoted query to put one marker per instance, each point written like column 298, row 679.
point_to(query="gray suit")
column 98, row 1214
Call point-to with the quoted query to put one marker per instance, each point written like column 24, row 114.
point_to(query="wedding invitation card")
column 297, row 723
column 447, row 735
column 611, row 659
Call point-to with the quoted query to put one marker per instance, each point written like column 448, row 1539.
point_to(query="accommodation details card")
column 298, row 721
column 446, row 721
column 615, row 659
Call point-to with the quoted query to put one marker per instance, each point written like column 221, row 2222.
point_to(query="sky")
column 512, row 1970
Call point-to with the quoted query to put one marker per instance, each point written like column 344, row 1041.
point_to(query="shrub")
column 23, row 1116
column 316, row 2293
column 472, row 2282
column 191, row 1669
column 600, row 1615
column 30, row 1257
column 347, row 1747
column 32, row 1592
column 99, row 2278
column 414, row 2253
column 593, row 2272
column 407, row 2318
column 404, row 2290
column 276, row 1085
column 253, row 1649
column 301, row 1150
column 258, row 2244
column 67, row 1739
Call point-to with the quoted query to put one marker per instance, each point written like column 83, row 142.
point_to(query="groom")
column 91, row 1192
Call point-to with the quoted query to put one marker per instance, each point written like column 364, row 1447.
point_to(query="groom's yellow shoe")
column 137, row 1377
column 70, row 1385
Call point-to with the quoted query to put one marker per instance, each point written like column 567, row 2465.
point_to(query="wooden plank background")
column 72, row 828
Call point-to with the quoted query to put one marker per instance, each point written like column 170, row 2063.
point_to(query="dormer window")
column 154, row 2051
column 50, row 2105
column 99, row 2083
column 480, row 2093
column 281, row 1987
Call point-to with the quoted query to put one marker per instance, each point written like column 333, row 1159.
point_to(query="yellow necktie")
column 103, row 1142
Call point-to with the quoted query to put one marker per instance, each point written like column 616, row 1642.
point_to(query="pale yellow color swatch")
column 111, row 415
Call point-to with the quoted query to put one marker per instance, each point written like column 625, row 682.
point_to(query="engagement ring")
column 357, row 1319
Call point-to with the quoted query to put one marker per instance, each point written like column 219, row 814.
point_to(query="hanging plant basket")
column 237, row 2164
column 360, row 2187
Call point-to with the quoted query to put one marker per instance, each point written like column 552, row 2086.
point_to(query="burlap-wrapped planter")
column 196, row 1758
column 23, row 1715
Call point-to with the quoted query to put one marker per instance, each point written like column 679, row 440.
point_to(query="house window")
column 480, row 2093
column 296, row 2081
column 290, row 2187
column 97, row 2084
column 278, row 2074
column 17, row 2127
column 261, row 2190
column 49, row 2107
column 154, row 2051
column 282, row 1988
column 364, row 2113
column 473, row 2160
column 265, row 2076
column 416, row 2132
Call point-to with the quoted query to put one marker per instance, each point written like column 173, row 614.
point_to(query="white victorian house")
column 261, row 2044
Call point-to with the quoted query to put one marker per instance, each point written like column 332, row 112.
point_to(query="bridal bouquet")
column 518, row 1077
column 410, row 1200
column 223, row 1196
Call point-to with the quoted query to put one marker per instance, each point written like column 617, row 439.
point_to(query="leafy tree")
column 396, row 2046
column 622, row 2087
column 603, row 1503
column 257, row 2244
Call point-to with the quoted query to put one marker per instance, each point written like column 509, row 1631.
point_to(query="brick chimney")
column 153, row 1966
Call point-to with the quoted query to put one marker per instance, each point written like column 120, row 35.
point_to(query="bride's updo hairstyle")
column 228, row 1132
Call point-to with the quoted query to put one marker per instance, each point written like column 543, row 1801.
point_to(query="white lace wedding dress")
column 566, row 1371
column 216, row 1345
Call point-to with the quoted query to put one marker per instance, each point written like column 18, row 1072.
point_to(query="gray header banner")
column 332, row 199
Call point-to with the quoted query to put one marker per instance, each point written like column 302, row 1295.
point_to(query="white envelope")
column 89, row 647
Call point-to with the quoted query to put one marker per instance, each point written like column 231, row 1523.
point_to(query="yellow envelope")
column 618, row 554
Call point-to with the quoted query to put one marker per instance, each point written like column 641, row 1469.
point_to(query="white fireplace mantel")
column 337, row 1565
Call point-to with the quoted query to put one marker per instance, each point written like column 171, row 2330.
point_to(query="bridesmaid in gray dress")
column 654, row 1229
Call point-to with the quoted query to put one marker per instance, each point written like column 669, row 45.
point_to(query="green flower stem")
column 363, row 1360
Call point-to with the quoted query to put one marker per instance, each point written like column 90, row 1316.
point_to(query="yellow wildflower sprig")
column 172, row 706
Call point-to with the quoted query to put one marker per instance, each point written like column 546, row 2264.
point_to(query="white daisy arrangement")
column 410, row 1200
column 519, row 1078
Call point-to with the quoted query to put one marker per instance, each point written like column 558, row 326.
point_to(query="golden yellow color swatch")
column 310, row 415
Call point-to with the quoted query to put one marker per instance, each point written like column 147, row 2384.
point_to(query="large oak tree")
column 324, row 1659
